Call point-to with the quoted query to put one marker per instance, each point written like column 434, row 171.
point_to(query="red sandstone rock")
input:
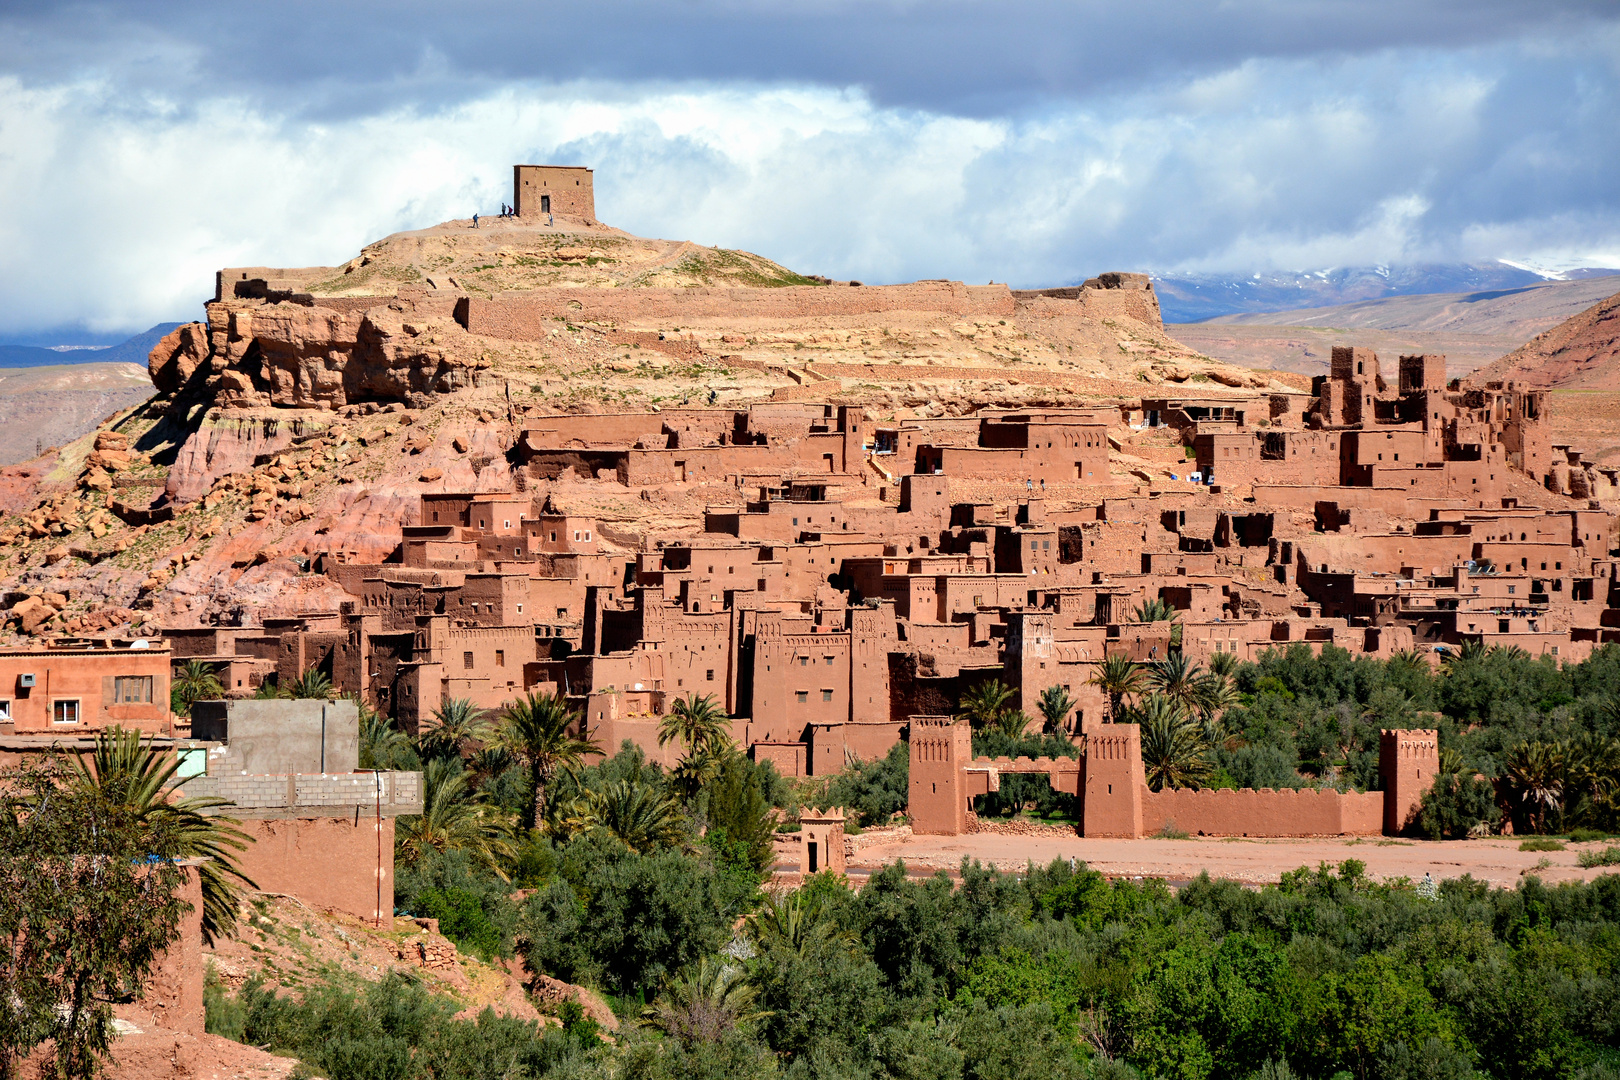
column 175, row 358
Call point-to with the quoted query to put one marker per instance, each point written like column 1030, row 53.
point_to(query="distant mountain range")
column 1192, row 298
column 132, row 351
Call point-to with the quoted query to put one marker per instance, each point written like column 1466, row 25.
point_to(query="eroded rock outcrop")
column 175, row 358
column 302, row 356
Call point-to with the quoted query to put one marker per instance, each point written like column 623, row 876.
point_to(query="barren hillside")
column 1579, row 353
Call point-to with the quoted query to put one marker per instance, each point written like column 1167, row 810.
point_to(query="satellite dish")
column 140, row 643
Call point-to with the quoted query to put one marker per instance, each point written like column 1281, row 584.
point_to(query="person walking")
column 475, row 221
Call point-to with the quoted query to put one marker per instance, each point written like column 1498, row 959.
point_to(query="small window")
column 562, row 613
column 829, row 661
column 520, row 609
column 65, row 711
column 553, row 536
column 804, row 661
column 826, row 695
column 5, row 712
column 709, row 675
column 467, row 661
column 506, row 524
column 500, row 657
column 803, row 696
column 132, row 690
column 587, row 534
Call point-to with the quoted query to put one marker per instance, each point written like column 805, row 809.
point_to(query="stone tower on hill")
column 553, row 189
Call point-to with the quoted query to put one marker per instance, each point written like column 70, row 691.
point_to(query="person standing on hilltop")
column 475, row 221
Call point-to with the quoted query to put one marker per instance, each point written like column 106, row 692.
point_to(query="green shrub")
column 1587, row 836
column 875, row 790
column 463, row 920
column 1609, row 856
column 1541, row 843
column 473, row 906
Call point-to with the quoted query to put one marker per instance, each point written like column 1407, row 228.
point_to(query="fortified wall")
column 530, row 315
column 1115, row 800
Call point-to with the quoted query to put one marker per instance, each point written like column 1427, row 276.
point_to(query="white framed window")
column 132, row 690
column 65, row 711
column 5, row 710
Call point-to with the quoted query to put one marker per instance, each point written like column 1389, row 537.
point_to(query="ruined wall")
column 529, row 316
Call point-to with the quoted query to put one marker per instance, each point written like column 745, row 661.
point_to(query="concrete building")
column 322, row 830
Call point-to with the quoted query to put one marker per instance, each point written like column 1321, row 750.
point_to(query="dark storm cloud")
column 144, row 145
column 974, row 58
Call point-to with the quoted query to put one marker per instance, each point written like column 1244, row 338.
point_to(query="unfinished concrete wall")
column 276, row 737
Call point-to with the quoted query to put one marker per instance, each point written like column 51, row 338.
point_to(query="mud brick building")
column 863, row 576
column 72, row 687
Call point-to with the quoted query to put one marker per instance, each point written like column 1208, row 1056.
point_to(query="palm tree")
column 141, row 778
column 1469, row 652
column 313, row 684
column 1408, row 661
column 704, row 1003
column 455, row 818
column 1055, row 705
column 1156, row 610
column 1215, row 695
column 382, row 745
column 1592, row 779
column 535, row 730
column 1117, row 676
column 642, row 817
column 795, row 922
column 1174, row 753
column 456, row 723
column 1011, row 723
column 1534, row 772
column 1177, row 678
column 700, row 724
column 1223, row 664
column 195, row 681
column 984, row 703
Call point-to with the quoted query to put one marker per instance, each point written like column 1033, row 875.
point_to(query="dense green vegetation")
column 1052, row 973
column 647, row 885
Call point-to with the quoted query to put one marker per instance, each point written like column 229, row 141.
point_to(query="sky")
column 145, row 145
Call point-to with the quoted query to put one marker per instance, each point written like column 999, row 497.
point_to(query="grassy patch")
column 1542, row 843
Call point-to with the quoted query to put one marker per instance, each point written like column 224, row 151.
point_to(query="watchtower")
column 938, row 796
column 553, row 189
column 1114, row 781
column 1407, row 763
column 823, row 834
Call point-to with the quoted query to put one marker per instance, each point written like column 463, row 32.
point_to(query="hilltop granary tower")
column 553, row 189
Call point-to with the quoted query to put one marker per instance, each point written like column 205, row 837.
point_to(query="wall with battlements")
column 1116, row 802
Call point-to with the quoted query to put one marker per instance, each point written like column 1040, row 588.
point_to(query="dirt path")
column 1498, row 861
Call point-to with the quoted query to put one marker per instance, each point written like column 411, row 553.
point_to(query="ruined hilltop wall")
column 528, row 316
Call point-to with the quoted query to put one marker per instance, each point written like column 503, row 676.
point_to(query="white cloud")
column 116, row 207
